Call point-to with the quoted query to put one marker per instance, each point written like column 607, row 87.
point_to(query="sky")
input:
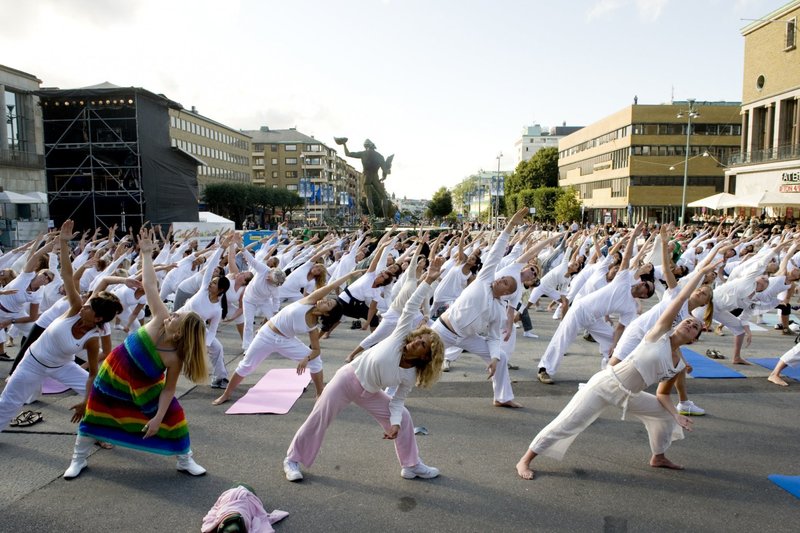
column 445, row 85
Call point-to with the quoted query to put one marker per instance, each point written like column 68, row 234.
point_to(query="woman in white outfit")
column 657, row 359
column 279, row 335
column 211, row 304
column 407, row 357
column 53, row 353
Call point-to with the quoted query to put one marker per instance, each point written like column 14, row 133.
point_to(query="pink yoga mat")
column 275, row 393
column 51, row 386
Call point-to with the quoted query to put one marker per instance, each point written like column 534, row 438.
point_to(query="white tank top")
column 653, row 360
column 291, row 320
column 57, row 346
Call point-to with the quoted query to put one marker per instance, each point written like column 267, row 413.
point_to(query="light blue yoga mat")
column 703, row 367
column 770, row 362
column 790, row 484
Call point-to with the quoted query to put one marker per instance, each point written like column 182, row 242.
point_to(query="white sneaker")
column 420, row 470
column 292, row 470
column 446, row 366
column 688, row 408
column 530, row 335
column 188, row 465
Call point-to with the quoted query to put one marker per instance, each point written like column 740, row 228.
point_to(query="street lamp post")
column 497, row 191
column 690, row 113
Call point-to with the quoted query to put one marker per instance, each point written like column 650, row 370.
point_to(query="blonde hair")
column 322, row 279
column 709, row 314
column 430, row 373
column 191, row 347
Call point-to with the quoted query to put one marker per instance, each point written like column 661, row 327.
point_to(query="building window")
column 791, row 33
column 291, row 160
column 291, row 187
column 273, row 147
column 258, row 161
column 274, row 161
column 275, row 174
column 291, row 148
column 291, row 174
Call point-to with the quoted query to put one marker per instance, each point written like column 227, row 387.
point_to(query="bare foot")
column 348, row 359
column 663, row 462
column 777, row 380
column 222, row 399
column 104, row 445
column 325, row 335
column 740, row 361
column 510, row 403
column 524, row 470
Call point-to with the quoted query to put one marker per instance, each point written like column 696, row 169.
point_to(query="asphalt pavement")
column 603, row 484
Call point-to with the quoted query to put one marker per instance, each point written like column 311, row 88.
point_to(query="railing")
column 777, row 153
column 16, row 158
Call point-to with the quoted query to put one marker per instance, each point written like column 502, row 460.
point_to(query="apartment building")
column 769, row 160
column 289, row 159
column 23, row 198
column 630, row 165
column 535, row 137
column 224, row 151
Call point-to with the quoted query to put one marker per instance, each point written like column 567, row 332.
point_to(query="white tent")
column 716, row 201
column 38, row 197
column 765, row 199
column 208, row 216
column 8, row 197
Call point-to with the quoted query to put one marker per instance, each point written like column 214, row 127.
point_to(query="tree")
column 568, row 206
column 441, row 204
column 541, row 170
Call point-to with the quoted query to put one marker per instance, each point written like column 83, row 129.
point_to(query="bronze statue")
column 372, row 161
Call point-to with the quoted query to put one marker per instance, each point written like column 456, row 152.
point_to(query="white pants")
column 217, row 359
column 603, row 390
column 566, row 332
column 501, row 384
column 26, row 381
column 266, row 343
column 250, row 310
column 792, row 357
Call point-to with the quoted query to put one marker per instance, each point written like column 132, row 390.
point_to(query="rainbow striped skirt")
column 124, row 398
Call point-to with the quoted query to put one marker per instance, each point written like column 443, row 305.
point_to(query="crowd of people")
column 421, row 303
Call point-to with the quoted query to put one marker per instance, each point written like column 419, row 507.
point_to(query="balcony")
column 784, row 152
column 16, row 158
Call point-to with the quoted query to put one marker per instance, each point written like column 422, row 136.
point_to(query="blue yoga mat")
column 703, row 367
column 790, row 484
column 770, row 362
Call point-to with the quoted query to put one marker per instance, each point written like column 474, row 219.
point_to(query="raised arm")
column 70, row 288
column 665, row 321
column 322, row 292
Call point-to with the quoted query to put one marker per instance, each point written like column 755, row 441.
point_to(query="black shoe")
column 589, row 338
column 544, row 377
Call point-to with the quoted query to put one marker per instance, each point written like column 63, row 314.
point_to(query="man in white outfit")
column 474, row 321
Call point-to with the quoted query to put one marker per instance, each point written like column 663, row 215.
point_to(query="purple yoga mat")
column 275, row 393
column 51, row 386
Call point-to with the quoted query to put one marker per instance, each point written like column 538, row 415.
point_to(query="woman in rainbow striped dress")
column 132, row 401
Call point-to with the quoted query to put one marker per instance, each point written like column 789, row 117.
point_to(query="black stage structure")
column 109, row 159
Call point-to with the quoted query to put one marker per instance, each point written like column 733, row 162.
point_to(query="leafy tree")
column 568, row 206
column 541, row 170
column 236, row 200
column 441, row 204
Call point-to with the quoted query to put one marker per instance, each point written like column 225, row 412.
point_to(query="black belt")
column 44, row 365
column 448, row 328
column 352, row 298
